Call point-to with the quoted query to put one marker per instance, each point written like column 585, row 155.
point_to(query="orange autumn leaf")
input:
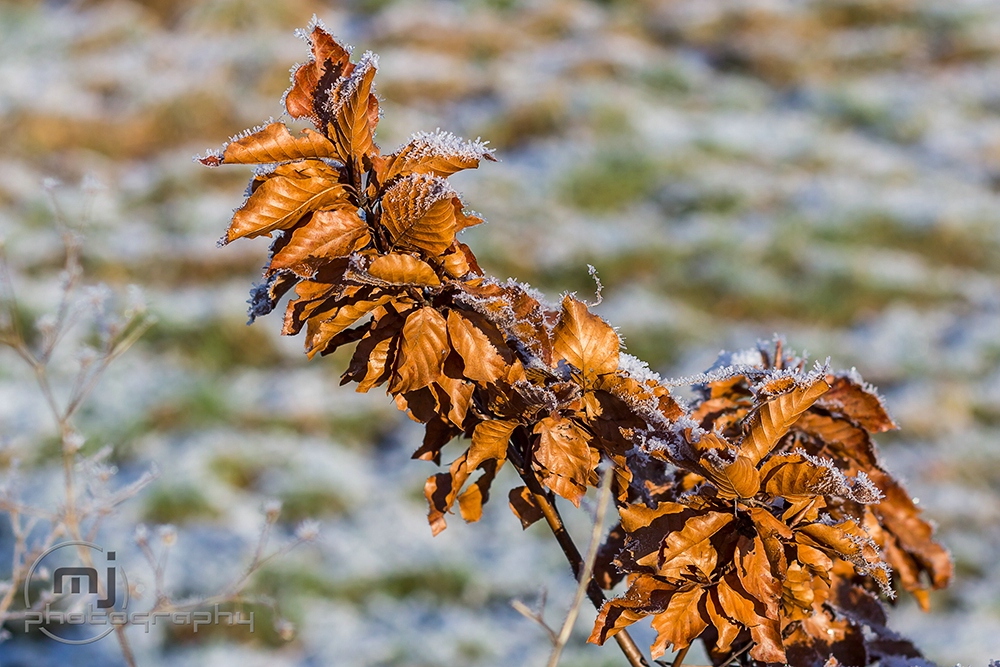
column 437, row 153
column 680, row 623
column 271, row 144
column 327, row 59
column 354, row 112
column 484, row 353
column 489, row 441
column 585, row 341
column 772, row 420
column 328, row 233
column 403, row 269
column 422, row 351
column 417, row 212
column 283, row 199
column 563, row 450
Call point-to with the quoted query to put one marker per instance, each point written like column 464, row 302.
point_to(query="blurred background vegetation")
column 826, row 169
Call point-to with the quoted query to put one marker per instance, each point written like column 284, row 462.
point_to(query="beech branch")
column 520, row 443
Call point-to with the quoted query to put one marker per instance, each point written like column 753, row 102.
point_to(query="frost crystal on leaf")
column 445, row 144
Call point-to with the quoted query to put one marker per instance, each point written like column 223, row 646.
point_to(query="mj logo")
column 76, row 607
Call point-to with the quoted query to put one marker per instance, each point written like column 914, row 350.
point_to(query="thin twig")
column 536, row 616
column 603, row 500
column 519, row 443
column 737, row 653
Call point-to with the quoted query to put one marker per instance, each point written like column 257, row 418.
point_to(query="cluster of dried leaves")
column 757, row 519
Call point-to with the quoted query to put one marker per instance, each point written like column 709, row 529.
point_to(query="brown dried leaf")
column 329, row 233
column 372, row 358
column 848, row 541
column 464, row 220
column 797, row 592
column 753, row 567
column 636, row 517
column 459, row 261
column 860, row 402
column 440, row 491
column 329, row 60
column 485, row 355
column 768, row 646
column 457, row 394
column 562, row 448
column 422, row 351
column 320, row 330
column 842, row 438
column 282, row 200
column 313, row 296
column 680, row 623
column 726, row 629
column 471, row 502
column 738, row 479
column 792, row 475
column 273, row 143
column 403, row 269
column 438, row 153
column 773, row 419
column 697, row 530
column 585, row 341
column 489, row 441
column 645, row 595
column 735, row 601
column 417, row 212
column 352, row 125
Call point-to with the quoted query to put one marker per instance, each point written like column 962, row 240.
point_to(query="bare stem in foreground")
column 603, row 500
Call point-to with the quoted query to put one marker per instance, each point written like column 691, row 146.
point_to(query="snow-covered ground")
column 826, row 169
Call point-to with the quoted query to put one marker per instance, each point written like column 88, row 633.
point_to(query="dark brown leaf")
column 524, row 507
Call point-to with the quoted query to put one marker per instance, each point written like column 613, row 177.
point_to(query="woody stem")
column 519, row 443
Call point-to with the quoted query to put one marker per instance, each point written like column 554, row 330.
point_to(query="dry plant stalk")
column 92, row 492
column 757, row 519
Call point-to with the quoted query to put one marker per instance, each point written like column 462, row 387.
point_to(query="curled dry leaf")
column 354, row 112
column 524, row 507
column 562, row 449
column 484, row 353
column 420, row 360
column 437, row 153
column 273, row 144
column 329, row 60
